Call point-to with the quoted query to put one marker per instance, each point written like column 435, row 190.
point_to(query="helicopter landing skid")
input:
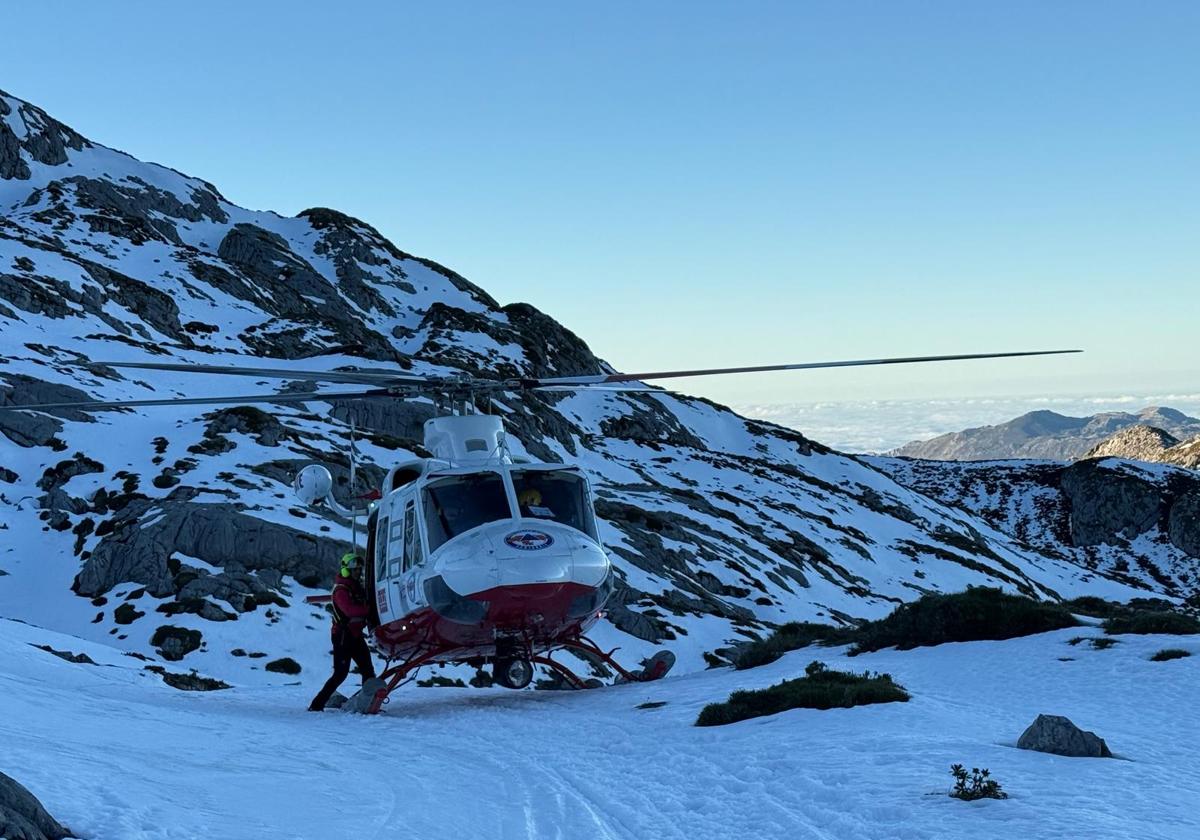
column 656, row 667
column 392, row 677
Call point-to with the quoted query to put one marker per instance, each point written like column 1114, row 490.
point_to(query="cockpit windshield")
column 559, row 495
column 457, row 504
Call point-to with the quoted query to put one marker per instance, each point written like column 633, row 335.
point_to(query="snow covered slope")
column 249, row 763
column 1130, row 520
column 120, row 524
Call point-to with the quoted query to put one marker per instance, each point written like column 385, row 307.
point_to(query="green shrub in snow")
column 977, row 784
column 1167, row 654
column 819, row 688
column 791, row 636
column 1153, row 622
column 977, row 613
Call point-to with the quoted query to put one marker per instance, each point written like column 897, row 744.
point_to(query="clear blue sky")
column 707, row 184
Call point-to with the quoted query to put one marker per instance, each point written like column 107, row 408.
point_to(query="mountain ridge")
column 1045, row 435
column 171, row 532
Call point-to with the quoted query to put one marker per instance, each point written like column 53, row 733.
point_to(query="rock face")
column 1056, row 734
column 22, row 817
column 1048, row 435
column 1138, row 522
column 1146, row 443
column 141, row 541
column 1108, row 505
column 1138, row 443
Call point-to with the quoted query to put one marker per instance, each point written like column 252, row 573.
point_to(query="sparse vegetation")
column 972, row 615
column 1167, row 654
column 1153, row 622
column 788, row 637
column 286, row 665
column 819, row 688
column 977, row 784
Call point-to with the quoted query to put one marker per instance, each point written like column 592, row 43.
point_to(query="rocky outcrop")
column 22, row 816
column 1146, row 443
column 39, row 137
column 287, row 286
column 1057, row 735
column 1184, row 523
column 1109, row 505
column 1138, row 443
column 143, row 539
column 27, row 428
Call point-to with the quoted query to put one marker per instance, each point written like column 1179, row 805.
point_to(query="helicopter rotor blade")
column 623, row 389
column 307, row 396
column 350, row 377
column 603, row 379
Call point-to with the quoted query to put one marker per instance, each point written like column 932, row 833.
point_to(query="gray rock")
column 1056, row 734
column 174, row 643
column 22, row 816
column 1183, row 526
column 1139, row 443
column 1107, row 505
column 147, row 533
column 27, row 428
column 361, row 700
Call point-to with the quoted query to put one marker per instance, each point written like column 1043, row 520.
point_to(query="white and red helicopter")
column 474, row 553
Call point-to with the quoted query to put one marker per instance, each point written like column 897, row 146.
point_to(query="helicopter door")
column 407, row 585
column 382, row 601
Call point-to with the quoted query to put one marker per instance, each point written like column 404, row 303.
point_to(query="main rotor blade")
column 308, row 396
column 624, row 389
column 634, row 377
column 350, row 377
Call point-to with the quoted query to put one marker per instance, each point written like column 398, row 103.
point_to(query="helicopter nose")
column 548, row 553
column 520, row 552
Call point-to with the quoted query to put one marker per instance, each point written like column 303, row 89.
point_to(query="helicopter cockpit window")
column 558, row 495
column 455, row 505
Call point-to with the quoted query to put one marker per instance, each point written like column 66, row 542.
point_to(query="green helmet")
column 350, row 562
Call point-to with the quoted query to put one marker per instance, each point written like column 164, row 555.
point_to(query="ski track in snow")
column 117, row 755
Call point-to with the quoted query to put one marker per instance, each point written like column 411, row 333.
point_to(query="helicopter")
column 474, row 553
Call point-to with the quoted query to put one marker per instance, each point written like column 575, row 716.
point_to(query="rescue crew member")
column 349, row 620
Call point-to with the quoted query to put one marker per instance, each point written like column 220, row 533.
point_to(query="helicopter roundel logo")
column 528, row 540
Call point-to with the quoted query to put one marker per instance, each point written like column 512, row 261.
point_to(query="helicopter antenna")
column 353, row 486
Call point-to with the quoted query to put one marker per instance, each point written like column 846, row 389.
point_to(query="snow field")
column 251, row 763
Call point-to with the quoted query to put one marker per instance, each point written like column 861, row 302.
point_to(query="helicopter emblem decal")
column 529, row 540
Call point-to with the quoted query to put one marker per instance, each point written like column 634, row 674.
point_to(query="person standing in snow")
column 349, row 621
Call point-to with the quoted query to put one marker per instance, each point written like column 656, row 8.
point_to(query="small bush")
column 1101, row 643
column 1153, row 622
column 1167, row 654
column 286, row 665
column 788, row 637
column 820, row 688
column 974, row 785
column 975, row 614
column 1094, row 606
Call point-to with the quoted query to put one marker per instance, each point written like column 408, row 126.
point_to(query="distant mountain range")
column 1053, row 436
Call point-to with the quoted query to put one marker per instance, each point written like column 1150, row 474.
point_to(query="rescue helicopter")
column 474, row 553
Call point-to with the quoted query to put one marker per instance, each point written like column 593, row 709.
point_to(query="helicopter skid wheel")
column 512, row 673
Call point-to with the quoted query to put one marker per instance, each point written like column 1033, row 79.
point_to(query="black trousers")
column 347, row 646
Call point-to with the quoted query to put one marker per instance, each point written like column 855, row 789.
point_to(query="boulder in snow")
column 22, row 817
column 361, row 700
column 1056, row 734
